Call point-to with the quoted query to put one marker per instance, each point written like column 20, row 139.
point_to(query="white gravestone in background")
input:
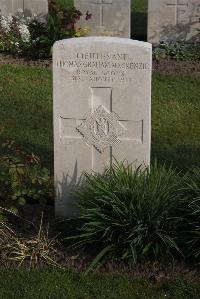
column 102, row 109
column 10, row 6
column 30, row 7
column 38, row 7
column 173, row 20
column 109, row 17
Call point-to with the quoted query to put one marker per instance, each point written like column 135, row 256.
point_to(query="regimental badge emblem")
column 101, row 129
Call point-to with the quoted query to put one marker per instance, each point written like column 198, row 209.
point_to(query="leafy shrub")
column 177, row 50
column 34, row 37
column 22, row 178
column 62, row 21
column 40, row 43
column 14, row 34
column 131, row 214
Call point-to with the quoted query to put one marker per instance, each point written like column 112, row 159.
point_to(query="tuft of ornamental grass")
column 32, row 252
column 132, row 214
column 192, row 184
column 191, row 192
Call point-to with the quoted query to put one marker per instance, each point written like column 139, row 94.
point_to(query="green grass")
column 176, row 119
column 65, row 284
column 65, row 3
column 26, row 114
column 139, row 19
column 26, row 108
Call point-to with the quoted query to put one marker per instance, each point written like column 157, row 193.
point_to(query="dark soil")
column 165, row 66
column 171, row 66
column 27, row 227
column 9, row 59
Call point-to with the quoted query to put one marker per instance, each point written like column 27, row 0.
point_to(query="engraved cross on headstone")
column 178, row 6
column 101, row 4
column 101, row 128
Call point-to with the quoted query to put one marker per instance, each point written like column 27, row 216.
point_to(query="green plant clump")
column 131, row 213
column 138, row 214
column 177, row 50
column 22, row 178
column 34, row 251
column 191, row 191
column 34, row 37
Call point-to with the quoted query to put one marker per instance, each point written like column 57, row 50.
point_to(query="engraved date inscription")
column 102, row 67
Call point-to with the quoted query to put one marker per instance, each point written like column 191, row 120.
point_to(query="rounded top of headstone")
column 102, row 39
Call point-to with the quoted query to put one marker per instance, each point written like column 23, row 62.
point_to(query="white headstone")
column 109, row 17
column 173, row 20
column 10, row 6
column 102, row 109
column 35, row 7
column 30, row 7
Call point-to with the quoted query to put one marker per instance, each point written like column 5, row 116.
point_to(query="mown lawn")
column 26, row 108
column 176, row 119
column 54, row 284
column 26, row 114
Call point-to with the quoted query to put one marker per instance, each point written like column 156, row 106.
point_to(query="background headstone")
column 10, row 6
column 102, row 109
column 109, row 17
column 37, row 7
column 30, row 7
column 173, row 20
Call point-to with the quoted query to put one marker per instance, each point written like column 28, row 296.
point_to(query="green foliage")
column 62, row 21
column 139, row 214
column 191, row 191
column 22, row 178
column 14, row 34
column 177, row 50
column 131, row 214
column 41, row 41
column 35, row 38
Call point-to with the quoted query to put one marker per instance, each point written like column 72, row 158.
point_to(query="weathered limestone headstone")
column 173, row 20
column 109, row 17
column 10, row 6
column 30, row 7
column 102, row 109
column 37, row 7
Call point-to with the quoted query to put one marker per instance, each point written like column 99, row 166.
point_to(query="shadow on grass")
column 182, row 156
column 46, row 155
